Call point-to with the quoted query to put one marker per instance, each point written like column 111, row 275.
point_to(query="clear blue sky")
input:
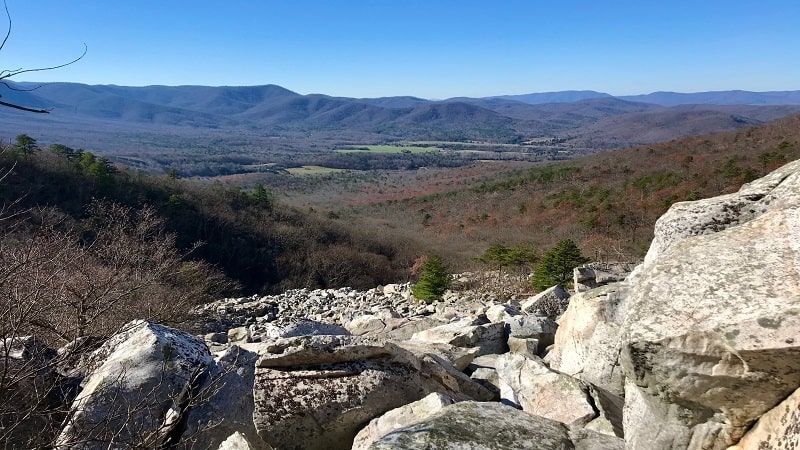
column 427, row 48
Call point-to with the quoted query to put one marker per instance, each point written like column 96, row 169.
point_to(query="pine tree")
column 434, row 281
column 556, row 265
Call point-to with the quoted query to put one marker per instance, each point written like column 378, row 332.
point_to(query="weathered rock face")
column 225, row 406
column 595, row 275
column 778, row 429
column 401, row 417
column 527, row 383
column 138, row 386
column 468, row 332
column 491, row 426
column 587, row 343
column 551, row 302
column 711, row 331
column 777, row 190
column 315, row 392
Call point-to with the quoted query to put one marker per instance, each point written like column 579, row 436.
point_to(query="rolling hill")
column 125, row 120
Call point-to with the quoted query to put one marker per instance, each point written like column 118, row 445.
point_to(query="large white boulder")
column 527, row 383
column 492, row 426
column 316, row 392
column 710, row 336
column 400, row 417
column 140, row 383
column 587, row 342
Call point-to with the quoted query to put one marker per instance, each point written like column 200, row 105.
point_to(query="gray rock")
column 594, row 275
column 710, row 334
column 523, row 346
column 527, row 383
column 551, row 302
column 225, row 406
column 778, row 428
column 316, row 392
column 239, row 335
column 479, row 426
column 489, row 338
column 400, row 417
column 139, row 384
column 587, row 343
column 367, row 324
column 459, row 357
column 303, row 327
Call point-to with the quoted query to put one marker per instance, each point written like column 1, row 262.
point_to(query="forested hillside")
column 607, row 203
column 246, row 233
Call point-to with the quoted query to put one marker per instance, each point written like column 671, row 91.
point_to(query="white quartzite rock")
column 135, row 389
column 401, row 417
column 587, row 343
column 526, row 382
column 711, row 332
column 778, row 429
column 492, row 426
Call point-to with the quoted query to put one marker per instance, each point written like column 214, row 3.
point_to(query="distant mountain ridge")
column 592, row 120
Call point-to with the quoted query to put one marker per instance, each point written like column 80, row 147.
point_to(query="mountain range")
column 591, row 120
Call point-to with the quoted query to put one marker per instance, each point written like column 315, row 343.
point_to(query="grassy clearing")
column 388, row 149
column 312, row 170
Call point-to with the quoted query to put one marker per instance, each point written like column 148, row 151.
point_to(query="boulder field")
column 697, row 348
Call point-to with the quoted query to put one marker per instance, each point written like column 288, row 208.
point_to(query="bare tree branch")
column 6, row 74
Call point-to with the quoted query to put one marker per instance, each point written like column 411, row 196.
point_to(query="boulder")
column 459, row 357
column 543, row 329
column 316, row 392
column 499, row 313
column 489, row 379
column 778, row 428
column 302, row 327
column 527, row 383
column 236, row 441
column 710, row 334
column 239, row 335
column 366, row 324
column 594, row 275
column 400, row 417
column 139, row 385
column 468, row 332
column 523, row 346
column 225, row 406
column 489, row 426
column 587, row 343
column 551, row 302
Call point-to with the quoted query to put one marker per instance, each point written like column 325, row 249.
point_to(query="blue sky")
column 430, row 49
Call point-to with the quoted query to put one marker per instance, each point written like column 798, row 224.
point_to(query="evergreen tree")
column 24, row 145
column 556, row 265
column 434, row 281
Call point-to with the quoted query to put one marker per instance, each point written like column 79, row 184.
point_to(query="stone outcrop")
column 491, row 426
column 697, row 349
column 551, row 302
column 529, row 384
column 400, row 417
column 587, row 343
column 315, row 392
column 138, row 387
column 726, row 342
